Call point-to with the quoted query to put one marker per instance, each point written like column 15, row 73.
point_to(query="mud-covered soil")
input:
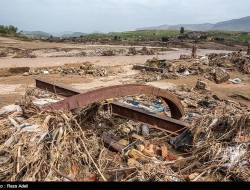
column 13, row 87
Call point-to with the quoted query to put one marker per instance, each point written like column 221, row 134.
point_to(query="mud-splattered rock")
column 201, row 85
column 221, row 76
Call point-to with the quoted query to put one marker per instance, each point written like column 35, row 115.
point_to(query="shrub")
column 165, row 39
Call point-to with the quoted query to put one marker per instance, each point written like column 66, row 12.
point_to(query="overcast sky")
column 115, row 15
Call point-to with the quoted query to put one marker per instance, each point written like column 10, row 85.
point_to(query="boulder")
column 221, row 76
column 201, row 85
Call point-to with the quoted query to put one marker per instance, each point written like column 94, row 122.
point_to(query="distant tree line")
column 8, row 29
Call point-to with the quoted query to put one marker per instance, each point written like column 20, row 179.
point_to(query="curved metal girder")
column 101, row 94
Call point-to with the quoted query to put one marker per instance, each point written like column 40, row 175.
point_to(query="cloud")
column 115, row 15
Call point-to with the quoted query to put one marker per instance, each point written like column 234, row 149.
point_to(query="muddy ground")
column 212, row 85
column 120, row 67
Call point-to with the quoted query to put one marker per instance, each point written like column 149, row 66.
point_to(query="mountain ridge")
column 240, row 24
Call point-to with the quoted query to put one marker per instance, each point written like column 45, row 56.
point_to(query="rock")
column 201, row 85
column 221, row 76
column 26, row 74
column 202, row 69
column 205, row 60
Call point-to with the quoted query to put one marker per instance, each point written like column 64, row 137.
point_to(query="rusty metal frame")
column 155, row 120
column 89, row 97
column 120, row 109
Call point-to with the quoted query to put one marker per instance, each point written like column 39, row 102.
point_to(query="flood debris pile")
column 157, row 69
column 222, row 144
column 218, row 75
column 156, row 63
column 60, row 146
column 24, row 54
column 85, row 68
column 110, row 52
column 216, row 66
column 3, row 54
column 231, row 61
column 132, row 51
column 146, row 51
column 89, row 144
column 143, row 51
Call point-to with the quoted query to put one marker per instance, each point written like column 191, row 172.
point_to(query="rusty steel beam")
column 122, row 110
column 100, row 94
column 56, row 88
column 155, row 120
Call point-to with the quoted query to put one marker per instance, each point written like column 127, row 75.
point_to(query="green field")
column 230, row 35
column 136, row 35
column 158, row 34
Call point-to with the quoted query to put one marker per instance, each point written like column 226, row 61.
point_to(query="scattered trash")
column 26, row 74
column 46, row 72
column 145, row 130
column 235, row 81
column 186, row 72
column 11, row 109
